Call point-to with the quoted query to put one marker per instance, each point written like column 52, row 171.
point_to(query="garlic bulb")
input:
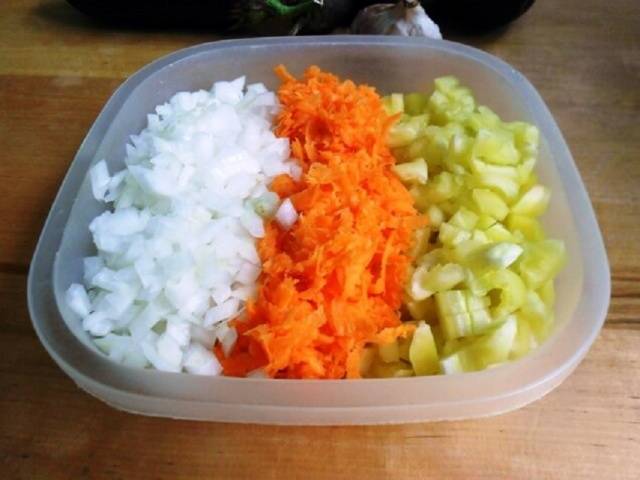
column 407, row 18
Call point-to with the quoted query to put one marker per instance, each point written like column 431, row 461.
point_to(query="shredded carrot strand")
column 333, row 282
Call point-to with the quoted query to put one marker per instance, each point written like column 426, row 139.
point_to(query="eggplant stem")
column 286, row 10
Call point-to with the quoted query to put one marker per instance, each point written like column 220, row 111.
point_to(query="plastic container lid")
column 390, row 64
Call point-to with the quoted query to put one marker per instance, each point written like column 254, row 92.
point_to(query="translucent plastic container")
column 390, row 64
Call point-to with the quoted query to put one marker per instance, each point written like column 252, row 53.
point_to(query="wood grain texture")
column 56, row 71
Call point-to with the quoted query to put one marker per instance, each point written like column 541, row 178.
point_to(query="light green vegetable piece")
column 487, row 281
column 436, row 216
column 478, row 308
column 393, row 103
column 525, row 340
column 511, row 290
column 415, row 103
column 533, row 202
column 405, row 131
column 495, row 346
column 528, row 227
column 389, row 352
column 464, row 219
column 481, row 256
column 452, row 364
column 389, row 370
column 453, row 314
column 501, row 179
column 496, row 145
column 526, row 137
column 541, row 261
column 525, row 172
column 490, row 349
column 425, row 282
column 423, row 353
column 547, row 294
column 412, row 172
column 490, row 203
column 499, row 233
column 420, row 242
column 503, row 254
column 451, row 235
column 450, row 101
column 538, row 315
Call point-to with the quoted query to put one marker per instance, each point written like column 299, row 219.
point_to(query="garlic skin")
column 416, row 23
column 377, row 19
column 406, row 18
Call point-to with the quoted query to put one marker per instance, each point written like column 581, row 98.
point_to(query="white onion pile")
column 176, row 253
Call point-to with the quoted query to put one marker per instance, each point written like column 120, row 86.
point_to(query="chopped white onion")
column 179, row 331
column 226, row 310
column 99, row 176
column 177, row 254
column 92, row 265
column 248, row 273
column 200, row 361
column 97, row 324
column 229, row 340
column 78, row 300
column 169, row 350
column 295, row 171
column 286, row 215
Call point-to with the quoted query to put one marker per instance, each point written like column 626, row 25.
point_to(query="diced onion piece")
column 97, row 324
column 224, row 311
column 295, row 171
column 78, row 300
column 99, row 176
column 200, row 361
column 228, row 340
column 180, row 332
column 169, row 350
column 286, row 215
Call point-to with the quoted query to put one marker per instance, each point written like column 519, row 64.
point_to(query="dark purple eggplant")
column 332, row 14
column 256, row 17
column 475, row 16
column 213, row 14
column 280, row 17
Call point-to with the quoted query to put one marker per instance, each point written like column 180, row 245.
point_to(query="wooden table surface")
column 56, row 71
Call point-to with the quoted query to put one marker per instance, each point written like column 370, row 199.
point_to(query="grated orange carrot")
column 334, row 281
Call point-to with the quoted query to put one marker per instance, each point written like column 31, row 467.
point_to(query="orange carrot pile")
column 333, row 282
